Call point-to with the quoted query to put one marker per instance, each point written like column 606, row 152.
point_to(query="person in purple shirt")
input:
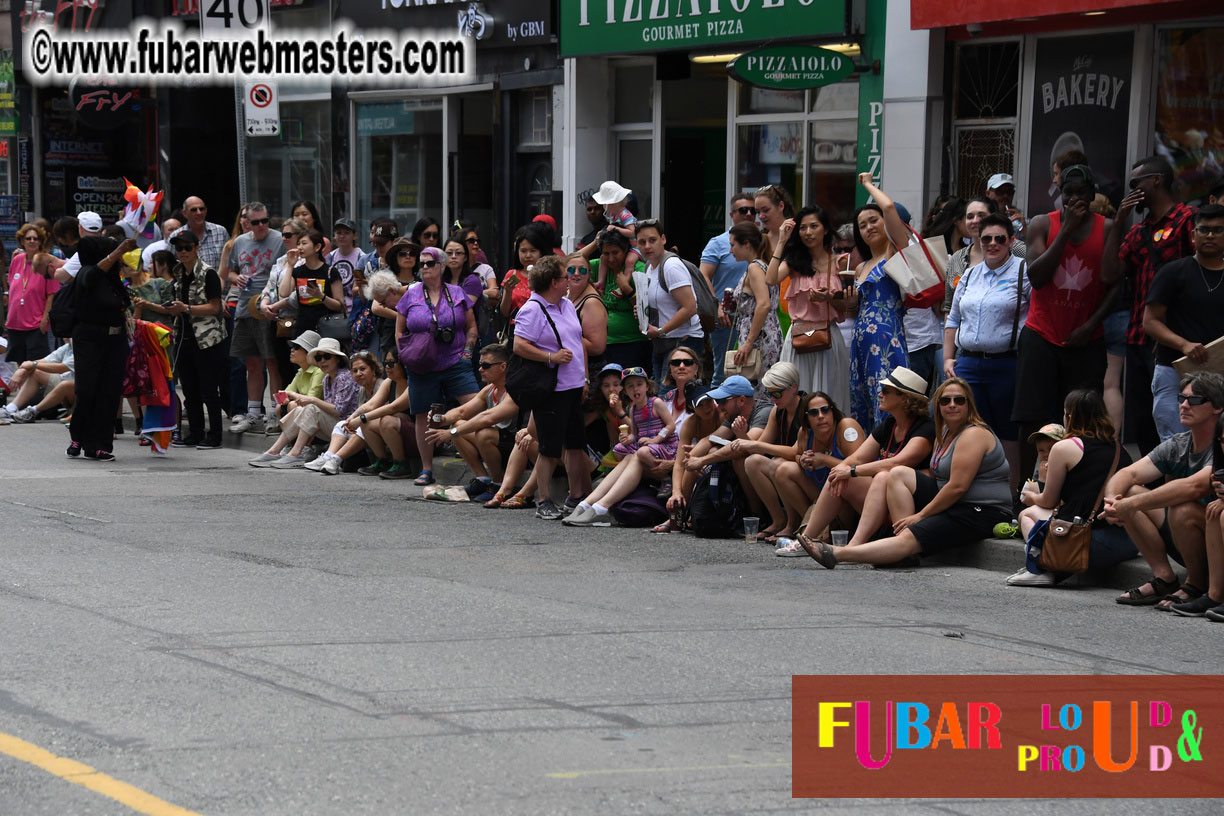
column 559, row 422
column 443, row 310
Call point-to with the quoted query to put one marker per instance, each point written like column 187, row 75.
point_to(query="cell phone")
column 281, row 397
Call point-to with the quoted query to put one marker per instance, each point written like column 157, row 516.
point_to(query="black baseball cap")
column 345, row 223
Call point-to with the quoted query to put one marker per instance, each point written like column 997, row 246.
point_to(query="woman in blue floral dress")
column 878, row 343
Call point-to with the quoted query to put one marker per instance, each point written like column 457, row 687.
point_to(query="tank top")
column 788, row 426
column 645, row 423
column 1075, row 291
column 493, row 398
column 821, row 474
column 1083, row 483
column 989, row 488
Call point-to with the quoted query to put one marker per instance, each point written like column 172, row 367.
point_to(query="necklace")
column 1203, row 272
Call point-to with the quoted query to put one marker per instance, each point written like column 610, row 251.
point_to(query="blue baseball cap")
column 733, row 386
column 903, row 212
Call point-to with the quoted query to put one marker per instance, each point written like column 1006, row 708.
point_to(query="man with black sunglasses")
column 1169, row 520
column 724, row 272
column 1163, row 236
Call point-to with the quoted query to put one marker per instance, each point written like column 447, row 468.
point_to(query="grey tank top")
column 990, row 487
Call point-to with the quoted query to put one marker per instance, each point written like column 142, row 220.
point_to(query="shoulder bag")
column 1067, row 544
column 530, row 382
column 807, row 336
column 919, row 270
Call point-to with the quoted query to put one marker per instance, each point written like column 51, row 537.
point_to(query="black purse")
column 530, row 382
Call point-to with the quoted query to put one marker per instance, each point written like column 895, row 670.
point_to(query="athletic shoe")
column 209, row 444
column 146, row 442
column 288, row 462
column 376, row 467
column 1031, row 579
column 251, row 423
column 272, row 425
column 102, row 456
column 264, row 460
column 476, row 487
column 189, row 442
column 397, row 470
column 571, row 504
column 175, row 436
column 26, row 415
column 1197, row 608
column 317, row 464
column 1216, row 614
column 331, row 465
column 791, row 549
column 488, row 495
column 548, row 511
column 581, row 517
column 74, row 450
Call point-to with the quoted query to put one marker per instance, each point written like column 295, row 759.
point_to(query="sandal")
column 425, row 478
column 495, row 502
column 518, row 503
column 821, row 552
column 1160, row 588
column 665, row 527
column 1189, row 590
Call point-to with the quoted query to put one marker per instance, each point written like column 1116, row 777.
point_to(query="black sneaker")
column 1216, row 613
column 189, row 442
column 375, row 468
column 118, row 427
column 476, row 487
column 397, row 470
column 74, row 450
column 571, row 504
column 1196, row 608
column 209, row 444
column 550, row 512
column 101, row 456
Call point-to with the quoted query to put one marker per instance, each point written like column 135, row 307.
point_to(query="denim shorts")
column 1115, row 332
column 453, row 382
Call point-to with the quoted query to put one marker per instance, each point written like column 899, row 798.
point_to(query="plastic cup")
column 751, row 525
column 840, row 537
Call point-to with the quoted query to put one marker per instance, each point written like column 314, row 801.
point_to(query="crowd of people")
column 786, row 377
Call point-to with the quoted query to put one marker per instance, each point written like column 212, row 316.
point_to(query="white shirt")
column 146, row 254
column 676, row 276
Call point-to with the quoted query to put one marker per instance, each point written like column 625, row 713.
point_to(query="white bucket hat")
column 611, row 193
column 328, row 345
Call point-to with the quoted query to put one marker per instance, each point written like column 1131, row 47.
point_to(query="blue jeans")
column 1164, row 401
column 718, row 346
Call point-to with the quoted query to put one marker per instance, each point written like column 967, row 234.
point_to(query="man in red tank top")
column 1062, row 346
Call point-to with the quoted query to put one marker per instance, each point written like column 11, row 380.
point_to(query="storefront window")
column 768, row 100
column 399, row 164
column 1189, row 108
column 771, row 154
column 833, row 160
column 297, row 165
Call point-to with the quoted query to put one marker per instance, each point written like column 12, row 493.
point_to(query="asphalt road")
column 240, row 641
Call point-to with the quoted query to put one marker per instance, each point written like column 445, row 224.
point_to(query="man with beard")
column 1164, row 235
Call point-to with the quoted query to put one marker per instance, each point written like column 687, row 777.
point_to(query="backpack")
column 63, row 310
column 707, row 303
column 641, row 508
column 718, row 505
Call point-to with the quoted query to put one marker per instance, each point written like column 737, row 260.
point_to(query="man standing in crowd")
column 1002, row 188
column 1169, row 520
column 212, row 237
column 1062, row 345
column 1184, row 312
column 598, row 220
column 88, row 223
column 724, row 272
column 1163, row 236
column 250, row 262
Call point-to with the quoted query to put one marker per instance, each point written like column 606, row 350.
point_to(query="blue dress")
column 877, row 345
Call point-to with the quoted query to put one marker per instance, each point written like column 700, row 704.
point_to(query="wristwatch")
column 853, row 469
column 454, row 431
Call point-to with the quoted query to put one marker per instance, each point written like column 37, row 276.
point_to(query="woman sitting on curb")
column 350, row 435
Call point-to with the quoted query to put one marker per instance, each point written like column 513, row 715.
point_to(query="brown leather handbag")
column 1067, row 544
column 807, row 336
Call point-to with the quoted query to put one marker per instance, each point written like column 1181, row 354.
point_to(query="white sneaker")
column 1026, row 578
column 272, row 426
column 264, row 460
column 791, row 549
column 317, row 464
column 243, row 424
column 331, row 465
column 288, row 462
column 27, row 414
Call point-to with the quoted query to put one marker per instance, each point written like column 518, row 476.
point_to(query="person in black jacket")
column 100, row 342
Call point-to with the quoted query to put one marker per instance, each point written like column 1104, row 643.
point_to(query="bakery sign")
column 489, row 22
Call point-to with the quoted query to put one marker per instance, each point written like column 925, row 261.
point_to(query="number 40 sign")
column 232, row 19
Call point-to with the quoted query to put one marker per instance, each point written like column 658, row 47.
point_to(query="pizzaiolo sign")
column 793, row 67
column 622, row 26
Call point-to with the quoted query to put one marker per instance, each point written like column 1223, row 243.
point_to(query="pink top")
column 801, row 308
column 27, row 294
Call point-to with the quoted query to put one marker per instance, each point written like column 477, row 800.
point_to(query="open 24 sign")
column 233, row 19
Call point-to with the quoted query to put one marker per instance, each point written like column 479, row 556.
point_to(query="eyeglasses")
column 428, row 264
column 820, row 410
column 1192, row 399
column 994, row 239
column 197, row 209
column 456, row 253
column 746, row 210
column 574, row 271
column 775, row 394
column 487, row 366
column 1203, row 229
column 472, row 239
column 1134, row 182
column 681, row 361
column 255, row 222
column 957, row 399
column 324, row 356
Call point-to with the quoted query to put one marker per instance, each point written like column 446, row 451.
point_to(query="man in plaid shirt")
column 1164, row 235
column 212, row 237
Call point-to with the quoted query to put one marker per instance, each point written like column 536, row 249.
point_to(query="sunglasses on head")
column 681, row 361
column 994, row 239
column 256, row 222
column 324, row 356
column 957, row 399
column 648, row 222
column 487, row 366
column 820, row 410
column 1192, row 399
column 746, row 210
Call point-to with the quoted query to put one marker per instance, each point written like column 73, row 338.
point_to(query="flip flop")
column 665, row 527
column 425, row 478
column 518, row 503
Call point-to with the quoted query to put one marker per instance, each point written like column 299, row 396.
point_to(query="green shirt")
column 308, row 382
column 155, row 290
column 622, row 319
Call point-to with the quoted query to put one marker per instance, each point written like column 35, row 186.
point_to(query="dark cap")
column 345, row 223
column 1077, row 172
column 186, row 237
column 385, row 232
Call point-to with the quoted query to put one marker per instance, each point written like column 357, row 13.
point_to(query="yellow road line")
column 81, row 774
column 576, row 774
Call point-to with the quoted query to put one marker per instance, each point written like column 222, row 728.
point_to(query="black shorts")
column 960, row 524
column 1046, row 373
column 559, row 425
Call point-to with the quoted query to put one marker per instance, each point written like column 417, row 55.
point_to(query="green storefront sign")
column 591, row 27
column 792, row 67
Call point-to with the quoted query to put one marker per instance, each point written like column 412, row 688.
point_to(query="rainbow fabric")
column 159, row 407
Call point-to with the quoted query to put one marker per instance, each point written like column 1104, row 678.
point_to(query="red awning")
column 949, row 13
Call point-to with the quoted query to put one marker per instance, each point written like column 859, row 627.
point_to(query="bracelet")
column 550, row 358
column 777, row 257
column 363, row 418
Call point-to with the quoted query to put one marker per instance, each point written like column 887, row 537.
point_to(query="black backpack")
column 63, row 310
column 718, row 505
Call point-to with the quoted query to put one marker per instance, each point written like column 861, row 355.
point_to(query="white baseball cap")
column 90, row 221
column 998, row 180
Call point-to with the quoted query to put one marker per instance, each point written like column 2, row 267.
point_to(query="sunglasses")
column 1205, row 230
column 431, row 234
column 775, row 394
column 746, row 210
column 1192, row 399
column 957, row 399
column 487, row 366
column 574, row 271
column 1134, row 182
column 324, row 356
column 255, row 222
column 184, row 249
column 428, row 264
column 682, row 361
column 820, row 410
column 197, row 209
column 404, row 253
column 472, row 239
column 390, row 361
column 289, row 236
column 994, row 239
column 723, row 401
column 31, row 237
column 635, row 371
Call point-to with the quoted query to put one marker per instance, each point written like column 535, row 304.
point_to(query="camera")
column 445, row 335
